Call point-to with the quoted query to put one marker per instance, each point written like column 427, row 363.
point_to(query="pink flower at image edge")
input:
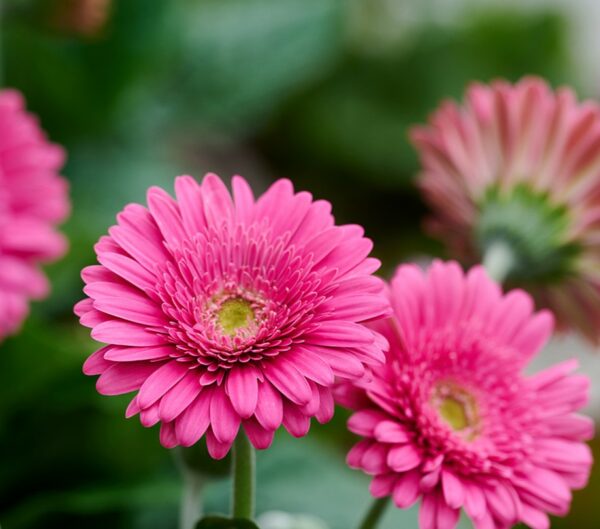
column 451, row 419
column 33, row 201
column 223, row 312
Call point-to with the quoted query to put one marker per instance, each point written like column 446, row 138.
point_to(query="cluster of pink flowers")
column 228, row 315
column 226, row 312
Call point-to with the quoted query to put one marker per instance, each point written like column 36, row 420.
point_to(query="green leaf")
column 219, row 522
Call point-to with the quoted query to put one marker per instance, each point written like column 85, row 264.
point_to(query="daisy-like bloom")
column 224, row 312
column 516, row 168
column 33, row 201
column 452, row 420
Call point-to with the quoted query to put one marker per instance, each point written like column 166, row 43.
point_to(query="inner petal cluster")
column 230, row 301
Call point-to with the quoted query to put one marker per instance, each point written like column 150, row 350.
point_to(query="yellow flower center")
column 457, row 408
column 234, row 314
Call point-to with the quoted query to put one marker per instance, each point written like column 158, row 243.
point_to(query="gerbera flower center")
column 234, row 314
column 457, row 408
column 533, row 227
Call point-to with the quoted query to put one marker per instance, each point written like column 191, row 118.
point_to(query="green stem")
column 374, row 514
column 190, row 509
column 499, row 260
column 191, row 501
column 243, row 478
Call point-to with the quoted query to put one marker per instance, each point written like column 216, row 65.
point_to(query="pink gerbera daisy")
column 222, row 312
column 452, row 420
column 33, row 200
column 515, row 173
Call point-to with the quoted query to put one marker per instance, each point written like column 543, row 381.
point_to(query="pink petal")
column 243, row 199
column 428, row 512
column 161, row 381
column 571, row 426
column 189, row 197
column 83, row 306
column 340, row 334
column 96, row 364
column 242, row 388
column 269, row 408
column 179, row 397
column 309, row 364
column 326, row 405
column 294, row 421
column 217, row 201
column 123, row 378
column 475, row 503
column 125, row 333
column 342, row 364
column 406, row 490
column 116, row 353
column 535, row 518
column 447, row 517
column 131, row 307
column 191, row 425
column 364, row 422
column 224, row 421
column 382, row 485
column 216, row 448
column 149, row 416
column 166, row 214
column 354, row 457
column 357, row 307
column 287, row 379
column 454, row 492
column 403, row 457
column 504, row 503
column 130, row 270
column 167, row 435
column 374, row 459
column 146, row 252
column 391, row 432
column 260, row 438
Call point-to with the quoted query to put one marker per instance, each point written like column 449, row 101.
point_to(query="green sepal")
column 534, row 228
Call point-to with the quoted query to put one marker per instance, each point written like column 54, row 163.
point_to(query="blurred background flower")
column 513, row 174
column 321, row 91
column 33, row 201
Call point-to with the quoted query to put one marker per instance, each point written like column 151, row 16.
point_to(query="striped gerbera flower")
column 223, row 313
column 452, row 420
column 514, row 175
column 33, row 201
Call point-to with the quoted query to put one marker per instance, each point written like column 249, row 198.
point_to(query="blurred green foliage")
column 217, row 522
column 261, row 87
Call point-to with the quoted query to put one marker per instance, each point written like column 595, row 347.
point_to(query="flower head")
column 452, row 420
column 33, row 200
column 222, row 312
column 520, row 165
